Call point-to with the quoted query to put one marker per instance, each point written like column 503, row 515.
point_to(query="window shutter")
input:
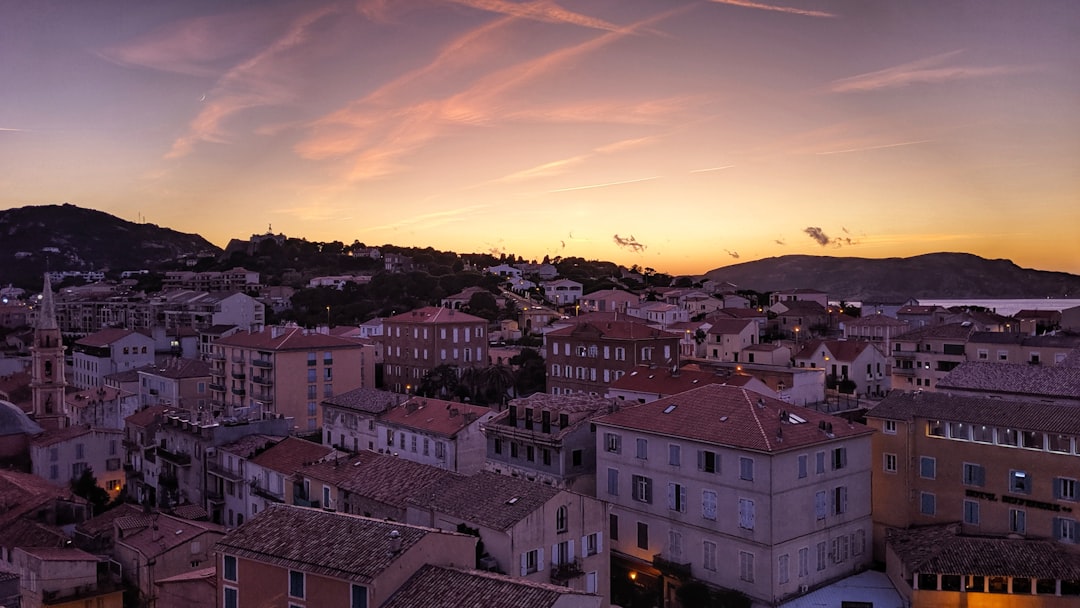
column 671, row 496
column 750, row 513
column 599, row 542
column 524, row 563
column 700, row 460
column 584, row 546
column 540, row 560
column 1058, row 522
column 682, row 499
column 1057, row 494
column 843, row 457
column 570, row 549
column 980, row 476
column 555, row 555
column 843, row 499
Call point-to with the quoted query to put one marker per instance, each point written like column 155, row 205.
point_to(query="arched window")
column 48, row 369
column 560, row 519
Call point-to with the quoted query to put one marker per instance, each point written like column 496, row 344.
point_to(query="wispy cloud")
column 630, row 243
column 558, row 167
column 548, row 12
column 823, row 239
column 605, row 184
column 877, row 147
column 432, row 220
column 734, row 254
column 929, row 70
column 776, row 8
column 12, row 130
column 710, row 169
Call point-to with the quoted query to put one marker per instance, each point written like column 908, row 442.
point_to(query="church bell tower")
column 47, row 365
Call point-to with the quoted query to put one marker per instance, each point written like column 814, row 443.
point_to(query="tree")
column 439, row 383
column 86, row 486
column 531, row 374
column 483, row 305
column 494, row 384
column 694, row 594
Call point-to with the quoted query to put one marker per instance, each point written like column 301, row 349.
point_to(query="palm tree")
column 440, row 383
column 495, row 382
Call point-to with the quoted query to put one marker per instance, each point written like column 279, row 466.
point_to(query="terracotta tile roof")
column 841, row 350
column 446, row 418
column 1014, row 379
column 53, row 437
column 488, row 499
column 104, row 337
column 947, row 331
column 1069, row 341
column 179, row 368
column 322, row 542
column 367, row 400
column 334, row 471
column 687, row 326
column 735, row 313
column 287, row 338
column 390, row 480
column 148, row 415
column 247, row 445
column 612, row 294
column 941, row 550
column 612, row 330
column 663, row 382
column 763, row 348
column 434, row 315
column 1011, row 413
column 730, row 326
column 204, row 574
column 915, row 309
column 60, row 554
column 290, row 454
column 22, row 532
column 190, row 512
column 440, row 587
column 171, row 532
column 104, row 523
column 877, row 320
column 578, row 407
column 86, row 397
column 734, row 417
column 602, row 317
column 801, row 307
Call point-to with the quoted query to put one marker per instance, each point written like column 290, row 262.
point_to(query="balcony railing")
column 566, row 571
column 215, row 469
column 239, row 391
column 217, row 357
column 266, row 363
column 303, row 502
column 262, row 380
column 181, row 458
column 671, row 567
column 903, row 371
column 258, row 490
column 217, row 387
column 239, row 375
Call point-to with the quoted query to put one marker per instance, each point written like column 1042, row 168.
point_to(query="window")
column 708, row 504
column 560, row 519
column 927, row 467
column 821, row 556
column 358, row 596
column 440, row 450
column 820, row 507
column 674, row 454
column 974, row 475
column 1065, row 529
column 804, row 562
column 531, row 561
column 328, row 374
column 820, row 456
column 839, row 500
column 231, row 598
column 79, row 451
column 1019, row 482
column 229, row 568
column 613, row 482
column 1065, row 488
column 675, row 544
column 802, row 465
column 971, row 512
column 959, row 430
column 643, row 449
column 708, row 462
column 1006, row 436
column 935, row 428
column 613, row 443
column 576, row 458
column 613, row 526
column 677, row 497
column 782, row 568
column 592, row 544
column 746, row 566
column 839, row 458
column 890, row 427
column 642, row 535
column 642, row 488
column 513, row 450
column 746, row 469
column 1017, row 521
column 296, row 584
column 840, row 549
column 530, row 453
column 746, row 514
column 927, row 503
column 710, row 555
column 982, row 433
column 498, row 446
column 889, row 463
column 311, row 375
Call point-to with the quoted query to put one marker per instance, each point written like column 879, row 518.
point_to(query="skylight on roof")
column 795, row 418
column 670, row 408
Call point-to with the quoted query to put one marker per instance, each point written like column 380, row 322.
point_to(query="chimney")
column 454, row 412
column 395, row 541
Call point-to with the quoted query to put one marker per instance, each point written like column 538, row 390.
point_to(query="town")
column 530, row 440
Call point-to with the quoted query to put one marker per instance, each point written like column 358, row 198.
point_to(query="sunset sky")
column 681, row 135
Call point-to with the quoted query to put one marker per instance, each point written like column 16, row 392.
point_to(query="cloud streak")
column 630, row 243
column 930, row 70
column 775, row 8
column 547, row 12
column 605, row 184
column 877, row 147
column 431, row 220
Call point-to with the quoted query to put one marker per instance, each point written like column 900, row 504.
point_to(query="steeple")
column 47, row 312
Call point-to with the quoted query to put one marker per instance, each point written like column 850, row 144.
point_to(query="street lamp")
column 327, row 317
column 796, row 338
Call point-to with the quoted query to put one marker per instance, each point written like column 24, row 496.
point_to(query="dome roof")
column 14, row 421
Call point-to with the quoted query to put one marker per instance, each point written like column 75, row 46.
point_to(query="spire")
column 47, row 316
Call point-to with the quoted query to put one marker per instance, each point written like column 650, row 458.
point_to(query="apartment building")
column 152, row 547
column 529, row 530
column 590, row 354
column 236, row 279
column 439, row 433
column 877, row 328
column 181, row 383
column 349, row 418
column 285, row 371
column 1011, row 347
column 547, row 439
column 420, row 340
column 107, row 352
column 63, row 455
column 923, row 356
column 739, row 491
column 726, row 339
column 852, row 367
column 999, row 466
column 1059, row 384
column 310, row 557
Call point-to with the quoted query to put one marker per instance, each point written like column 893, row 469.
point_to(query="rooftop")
column 663, row 382
column 179, row 368
column 731, row 326
column 611, row 330
column 434, row 315
column 388, row 479
column 445, row 418
column 488, row 499
column 1014, row 379
column 163, row 533
column 439, row 587
column 1010, row 413
column 286, row 338
column 322, row 542
column 53, row 437
column 841, row 350
column 734, row 417
column 148, row 415
column 367, row 400
column 290, row 454
column 948, row 331
column 105, row 337
column 942, row 550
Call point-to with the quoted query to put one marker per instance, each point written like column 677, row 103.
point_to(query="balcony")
column 262, row 380
column 264, row 363
column 238, row 359
column 217, row 356
column 239, row 391
column 303, row 502
column 180, row 458
column 903, row 371
column 670, row 567
column 215, row 497
column 239, row 375
column 215, row 469
column 217, row 387
column 907, row 355
column 258, row 490
column 560, row 573
column 131, row 474
column 265, row 398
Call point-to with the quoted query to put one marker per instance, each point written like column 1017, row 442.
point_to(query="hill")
column 948, row 275
column 68, row 237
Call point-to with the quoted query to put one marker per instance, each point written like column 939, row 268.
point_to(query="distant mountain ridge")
column 933, row 275
column 68, row 237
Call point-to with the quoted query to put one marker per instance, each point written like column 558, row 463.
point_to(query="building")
column 588, row 355
column 608, row 300
column 644, row 385
column 799, row 319
column 1013, row 347
column 195, row 588
column 47, row 382
column 63, row 577
column 925, row 355
column 233, row 491
column 547, row 439
column 1058, row 384
column 180, row 383
column 102, row 407
column 562, row 292
column 439, row 433
column 319, row 558
column 438, row 586
column 877, row 328
column 736, row 490
column 726, row 338
column 270, row 471
column 63, row 455
column 285, row 371
column 158, row 546
column 349, row 418
column 852, row 367
column 998, row 466
column 420, row 340
column 16, row 430
column 237, row 279
column 799, row 295
column 658, row 314
column 917, row 316
column 529, row 530
column 107, row 352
